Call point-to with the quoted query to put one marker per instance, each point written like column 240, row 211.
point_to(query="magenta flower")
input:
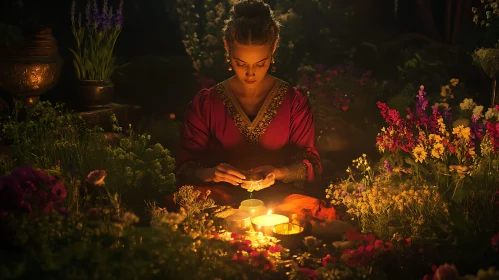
column 30, row 191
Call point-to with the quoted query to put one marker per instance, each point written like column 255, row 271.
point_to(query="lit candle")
column 265, row 223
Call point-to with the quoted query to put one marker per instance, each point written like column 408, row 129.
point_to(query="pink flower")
column 495, row 241
column 97, row 177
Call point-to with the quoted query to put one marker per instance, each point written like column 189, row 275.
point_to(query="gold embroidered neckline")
column 240, row 110
column 253, row 130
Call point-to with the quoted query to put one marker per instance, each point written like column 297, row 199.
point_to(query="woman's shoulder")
column 206, row 94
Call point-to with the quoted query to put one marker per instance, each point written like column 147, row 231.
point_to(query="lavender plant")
column 95, row 40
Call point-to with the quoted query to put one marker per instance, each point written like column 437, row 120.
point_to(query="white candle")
column 269, row 220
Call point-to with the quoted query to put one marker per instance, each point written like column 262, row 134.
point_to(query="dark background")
column 160, row 76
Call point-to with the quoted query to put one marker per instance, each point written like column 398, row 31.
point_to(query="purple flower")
column 387, row 166
column 421, row 103
column 434, row 109
column 447, row 114
column 118, row 19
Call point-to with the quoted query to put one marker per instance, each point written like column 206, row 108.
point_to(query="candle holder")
column 264, row 223
column 291, row 235
column 239, row 221
column 254, row 206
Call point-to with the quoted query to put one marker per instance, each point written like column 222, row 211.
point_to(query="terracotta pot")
column 28, row 71
column 96, row 94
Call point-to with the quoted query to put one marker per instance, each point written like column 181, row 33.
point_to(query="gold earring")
column 273, row 68
column 227, row 59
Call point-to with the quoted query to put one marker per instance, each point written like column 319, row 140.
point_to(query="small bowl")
column 255, row 206
column 291, row 235
column 239, row 221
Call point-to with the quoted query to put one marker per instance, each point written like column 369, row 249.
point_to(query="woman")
column 251, row 123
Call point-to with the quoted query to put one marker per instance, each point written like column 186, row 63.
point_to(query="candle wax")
column 269, row 220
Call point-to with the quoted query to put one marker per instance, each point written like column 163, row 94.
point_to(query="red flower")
column 328, row 259
column 234, row 235
column 370, row 238
column 378, row 243
column 309, row 273
column 239, row 257
column 275, row 249
column 353, row 235
column 408, row 242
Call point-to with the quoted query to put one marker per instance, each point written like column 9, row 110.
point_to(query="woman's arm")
column 306, row 165
column 194, row 140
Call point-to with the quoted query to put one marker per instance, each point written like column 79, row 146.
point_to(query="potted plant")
column 94, row 61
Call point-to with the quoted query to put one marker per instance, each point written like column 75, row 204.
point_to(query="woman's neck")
column 250, row 92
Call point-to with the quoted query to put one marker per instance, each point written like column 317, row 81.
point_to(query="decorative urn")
column 30, row 70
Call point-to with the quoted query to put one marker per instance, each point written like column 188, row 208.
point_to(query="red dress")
column 216, row 130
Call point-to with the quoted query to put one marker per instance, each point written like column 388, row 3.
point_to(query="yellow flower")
column 441, row 126
column 462, row 132
column 435, row 138
column 419, row 153
column 454, row 82
column 445, row 90
column 438, row 150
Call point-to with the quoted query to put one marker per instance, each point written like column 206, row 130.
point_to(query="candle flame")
column 269, row 212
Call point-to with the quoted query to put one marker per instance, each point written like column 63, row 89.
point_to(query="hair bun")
column 252, row 9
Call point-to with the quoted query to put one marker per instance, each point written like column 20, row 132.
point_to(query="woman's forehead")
column 250, row 53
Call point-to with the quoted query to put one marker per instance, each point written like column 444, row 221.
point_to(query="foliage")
column 485, row 17
column 460, row 161
column 386, row 206
column 11, row 36
column 201, row 27
column 95, row 40
column 430, row 67
column 47, row 137
column 339, row 92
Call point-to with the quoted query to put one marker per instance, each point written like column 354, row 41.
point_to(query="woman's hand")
column 221, row 173
column 269, row 178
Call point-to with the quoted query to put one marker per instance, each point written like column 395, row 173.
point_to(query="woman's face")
column 250, row 62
